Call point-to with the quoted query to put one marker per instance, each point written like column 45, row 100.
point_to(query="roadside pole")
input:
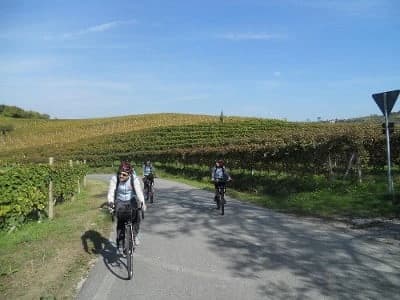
column 385, row 102
column 389, row 161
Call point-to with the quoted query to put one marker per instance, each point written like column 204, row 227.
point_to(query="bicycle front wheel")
column 151, row 194
column 146, row 192
column 129, row 250
column 129, row 262
column 222, row 205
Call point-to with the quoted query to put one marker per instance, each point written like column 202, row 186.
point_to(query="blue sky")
column 285, row 59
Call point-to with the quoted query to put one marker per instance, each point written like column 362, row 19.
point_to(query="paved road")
column 189, row 251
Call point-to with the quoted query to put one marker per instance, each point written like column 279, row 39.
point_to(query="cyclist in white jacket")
column 125, row 194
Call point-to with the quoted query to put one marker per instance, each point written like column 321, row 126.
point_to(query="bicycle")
column 149, row 188
column 129, row 237
column 220, row 196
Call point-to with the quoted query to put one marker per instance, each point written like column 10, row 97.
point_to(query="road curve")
column 189, row 251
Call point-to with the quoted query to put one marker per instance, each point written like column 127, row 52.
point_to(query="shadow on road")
column 113, row 260
column 334, row 261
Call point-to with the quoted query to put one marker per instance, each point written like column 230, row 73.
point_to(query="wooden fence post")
column 79, row 180
column 79, row 186
column 84, row 177
column 71, row 164
column 353, row 155
column 51, row 202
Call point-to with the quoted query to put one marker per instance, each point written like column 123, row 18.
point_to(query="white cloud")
column 277, row 74
column 101, row 27
column 92, row 29
column 251, row 36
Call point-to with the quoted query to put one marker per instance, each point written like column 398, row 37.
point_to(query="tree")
column 221, row 117
column 16, row 112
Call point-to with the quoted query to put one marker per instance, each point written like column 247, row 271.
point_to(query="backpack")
column 148, row 169
column 224, row 175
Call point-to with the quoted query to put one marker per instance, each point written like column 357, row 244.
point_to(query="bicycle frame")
column 221, row 189
column 149, row 189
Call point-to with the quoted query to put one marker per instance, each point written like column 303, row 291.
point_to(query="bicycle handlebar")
column 221, row 180
column 111, row 209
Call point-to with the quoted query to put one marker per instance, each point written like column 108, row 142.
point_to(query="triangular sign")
column 391, row 98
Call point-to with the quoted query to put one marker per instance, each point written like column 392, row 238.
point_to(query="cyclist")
column 125, row 193
column 148, row 169
column 219, row 175
column 148, row 173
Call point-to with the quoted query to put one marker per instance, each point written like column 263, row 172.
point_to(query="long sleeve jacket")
column 220, row 173
column 137, row 188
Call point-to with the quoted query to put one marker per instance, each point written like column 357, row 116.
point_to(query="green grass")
column 48, row 259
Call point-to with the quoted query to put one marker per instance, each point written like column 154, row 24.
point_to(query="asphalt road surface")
column 189, row 251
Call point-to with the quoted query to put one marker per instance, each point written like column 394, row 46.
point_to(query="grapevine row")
column 24, row 189
column 259, row 144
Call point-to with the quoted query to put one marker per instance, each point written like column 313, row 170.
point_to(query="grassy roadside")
column 46, row 260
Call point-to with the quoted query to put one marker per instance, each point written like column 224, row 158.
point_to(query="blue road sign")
column 391, row 98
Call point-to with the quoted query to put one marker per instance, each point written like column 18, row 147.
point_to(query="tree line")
column 16, row 112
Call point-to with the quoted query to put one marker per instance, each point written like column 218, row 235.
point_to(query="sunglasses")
column 123, row 174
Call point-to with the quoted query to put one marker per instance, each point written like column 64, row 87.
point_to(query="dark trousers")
column 135, row 222
column 217, row 185
column 148, row 180
column 125, row 212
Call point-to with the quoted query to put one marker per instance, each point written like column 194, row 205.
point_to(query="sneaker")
column 136, row 241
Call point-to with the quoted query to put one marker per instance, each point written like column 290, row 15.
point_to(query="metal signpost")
column 385, row 102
